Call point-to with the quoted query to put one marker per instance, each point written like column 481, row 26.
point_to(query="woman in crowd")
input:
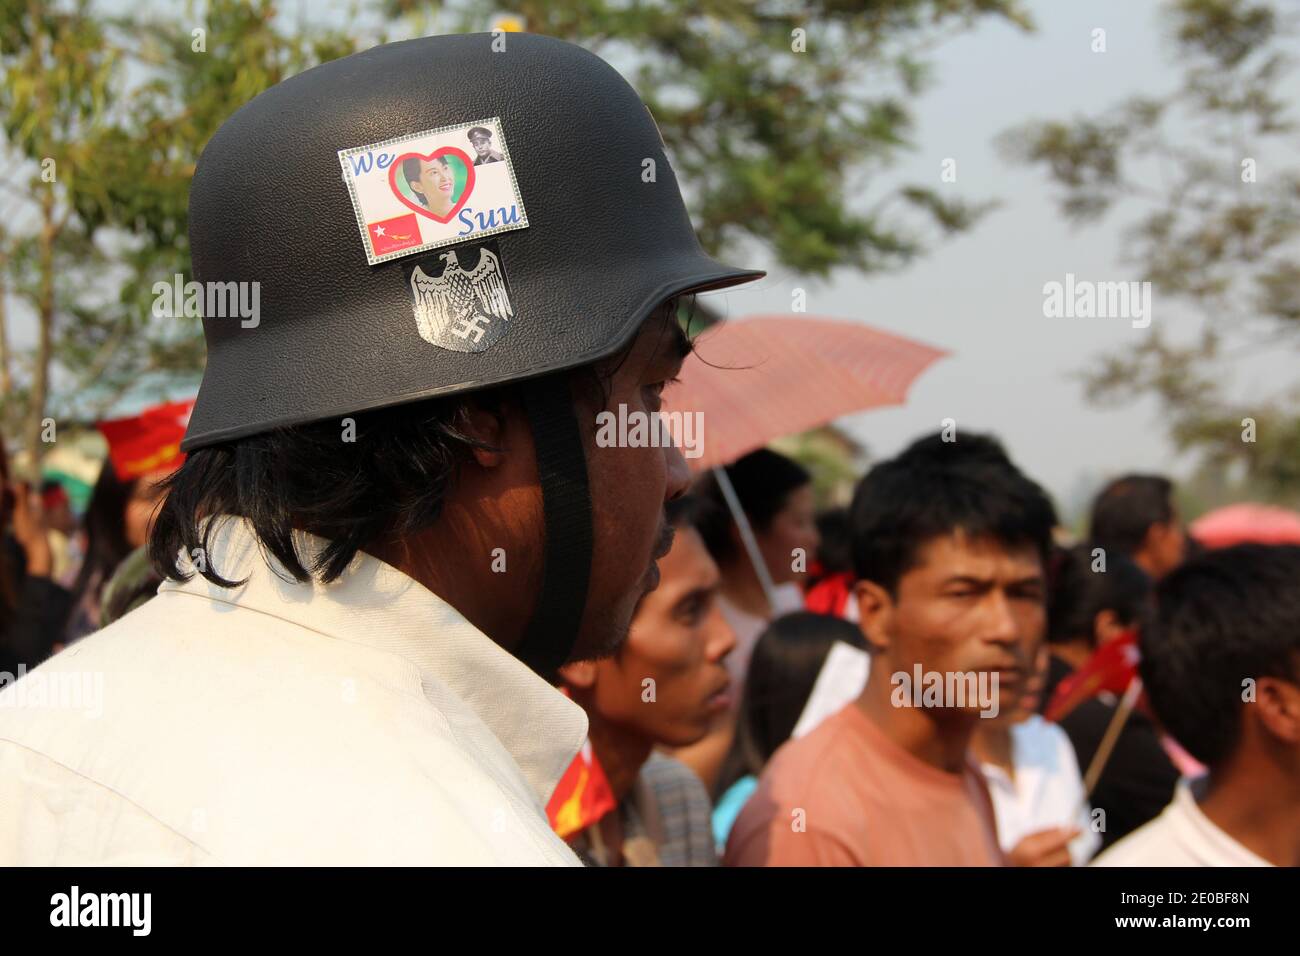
column 776, row 496
column 1092, row 606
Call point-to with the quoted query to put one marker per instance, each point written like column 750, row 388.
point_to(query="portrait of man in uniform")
column 482, row 140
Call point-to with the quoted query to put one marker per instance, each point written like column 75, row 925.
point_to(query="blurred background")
column 922, row 166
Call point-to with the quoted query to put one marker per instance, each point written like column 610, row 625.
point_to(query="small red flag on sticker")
column 391, row 235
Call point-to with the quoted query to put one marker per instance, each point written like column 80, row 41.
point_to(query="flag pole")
column 746, row 534
column 1109, row 739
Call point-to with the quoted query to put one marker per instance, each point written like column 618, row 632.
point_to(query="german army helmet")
column 432, row 217
column 397, row 259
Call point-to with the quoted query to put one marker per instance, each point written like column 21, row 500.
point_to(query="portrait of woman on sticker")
column 433, row 183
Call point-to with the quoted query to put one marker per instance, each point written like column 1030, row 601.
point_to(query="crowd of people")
column 381, row 596
column 761, row 711
column 950, row 560
column 63, row 576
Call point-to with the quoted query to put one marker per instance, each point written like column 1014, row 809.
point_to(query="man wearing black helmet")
column 395, row 522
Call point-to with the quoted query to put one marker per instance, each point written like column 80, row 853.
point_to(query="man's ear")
column 875, row 613
column 487, row 426
column 1277, row 703
column 580, row 675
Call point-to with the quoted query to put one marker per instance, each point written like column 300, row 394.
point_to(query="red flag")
column 401, row 232
column 830, row 595
column 582, row 796
column 1110, row 668
column 148, row 442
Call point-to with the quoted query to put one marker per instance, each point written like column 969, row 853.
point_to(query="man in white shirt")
column 1221, row 664
column 1181, row 836
column 380, row 547
column 1042, row 811
column 1038, row 798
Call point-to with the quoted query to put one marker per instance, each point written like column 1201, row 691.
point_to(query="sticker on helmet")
column 432, row 189
column 461, row 297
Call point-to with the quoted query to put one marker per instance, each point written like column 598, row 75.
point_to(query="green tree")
column 775, row 115
column 1215, row 230
column 122, row 105
column 56, row 96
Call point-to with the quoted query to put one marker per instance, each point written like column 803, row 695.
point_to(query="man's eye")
column 691, row 612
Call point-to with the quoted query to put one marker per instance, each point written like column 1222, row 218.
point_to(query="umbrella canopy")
column 762, row 378
column 1238, row 524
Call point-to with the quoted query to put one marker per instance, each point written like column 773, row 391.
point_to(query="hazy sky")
column 980, row 296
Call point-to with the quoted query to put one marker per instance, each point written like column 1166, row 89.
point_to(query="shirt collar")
column 1201, row 835
column 375, row 605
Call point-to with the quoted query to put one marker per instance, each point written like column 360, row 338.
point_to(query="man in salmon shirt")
column 950, row 545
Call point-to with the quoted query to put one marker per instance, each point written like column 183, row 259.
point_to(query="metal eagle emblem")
column 459, row 310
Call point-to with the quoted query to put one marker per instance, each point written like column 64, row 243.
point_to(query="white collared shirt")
column 360, row 722
column 1047, row 791
column 1181, row 836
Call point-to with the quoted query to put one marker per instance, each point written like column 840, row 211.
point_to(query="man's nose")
column 720, row 639
column 1000, row 624
column 679, row 474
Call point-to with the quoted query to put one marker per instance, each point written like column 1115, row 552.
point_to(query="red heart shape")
column 422, row 210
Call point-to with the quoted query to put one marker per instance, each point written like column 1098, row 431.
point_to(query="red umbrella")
column 1238, row 524
column 754, row 380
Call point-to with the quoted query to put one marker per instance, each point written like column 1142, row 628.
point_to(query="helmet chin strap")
column 566, row 504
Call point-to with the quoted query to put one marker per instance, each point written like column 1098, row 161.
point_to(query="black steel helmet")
column 592, row 246
column 396, row 257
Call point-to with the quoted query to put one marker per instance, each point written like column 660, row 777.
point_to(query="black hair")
column 783, row 668
column 763, row 481
column 389, row 481
column 1221, row 618
column 1125, row 510
column 835, row 552
column 1078, row 593
column 105, row 524
column 411, row 173
column 936, row 487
